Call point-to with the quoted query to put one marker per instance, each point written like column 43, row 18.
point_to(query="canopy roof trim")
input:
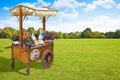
column 41, row 12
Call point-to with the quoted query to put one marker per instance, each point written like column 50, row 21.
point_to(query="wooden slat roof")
column 28, row 11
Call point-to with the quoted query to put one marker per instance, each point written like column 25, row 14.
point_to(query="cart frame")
column 46, row 50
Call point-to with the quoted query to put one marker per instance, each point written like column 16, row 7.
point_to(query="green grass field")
column 82, row 59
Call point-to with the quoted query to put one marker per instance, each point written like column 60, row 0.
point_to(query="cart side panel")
column 24, row 56
column 16, row 53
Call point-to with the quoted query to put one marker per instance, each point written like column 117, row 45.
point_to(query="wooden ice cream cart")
column 45, row 51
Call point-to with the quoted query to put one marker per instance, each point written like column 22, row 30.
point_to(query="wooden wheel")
column 47, row 59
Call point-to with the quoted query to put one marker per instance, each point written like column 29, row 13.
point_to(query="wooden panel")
column 16, row 54
column 24, row 57
column 36, row 14
column 23, row 13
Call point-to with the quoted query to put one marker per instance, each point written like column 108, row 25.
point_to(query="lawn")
column 82, row 59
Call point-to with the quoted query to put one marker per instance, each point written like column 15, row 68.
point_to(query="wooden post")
column 13, row 60
column 20, row 25
column 44, row 23
column 28, row 68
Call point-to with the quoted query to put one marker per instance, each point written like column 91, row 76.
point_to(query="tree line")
column 8, row 32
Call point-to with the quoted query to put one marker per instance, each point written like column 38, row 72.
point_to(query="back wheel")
column 47, row 59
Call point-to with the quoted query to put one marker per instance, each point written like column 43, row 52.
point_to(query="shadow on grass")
column 1, row 50
column 5, row 66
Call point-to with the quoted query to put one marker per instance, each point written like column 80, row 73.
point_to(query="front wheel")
column 47, row 59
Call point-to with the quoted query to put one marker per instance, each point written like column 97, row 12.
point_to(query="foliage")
column 65, row 36
column 102, row 35
column 109, row 34
column 31, row 30
column 28, row 42
column 77, row 35
column 7, row 32
column 15, row 37
column 87, row 33
column 117, row 34
column 71, row 35
column 51, row 36
column 95, row 34
column 0, row 33
column 60, row 35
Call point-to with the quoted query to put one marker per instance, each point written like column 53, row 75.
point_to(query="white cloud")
column 118, row 6
column 40, row 3
column 32, row 23
column 6, row 8
column 37, row 4
column 99, row 23
column 105, row 23
column 90, row 7
column 28, row 4
column 11, row 22
column 43, row 2
column 103, row 3
column 68, row 15
column 102, row 18
column 67, row 4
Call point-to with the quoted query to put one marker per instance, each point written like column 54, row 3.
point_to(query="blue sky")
column 72, row 16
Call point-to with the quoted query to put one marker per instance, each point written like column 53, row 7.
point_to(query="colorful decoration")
column 27, row 41
column 34, row 54
column 38, row 39
column 43, row 34
column 15, row 43
column 51, row 36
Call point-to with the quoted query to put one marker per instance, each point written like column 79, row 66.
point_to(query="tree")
column 95, row 34
column 109, row 34
column 60, row 35
column 77, row 35
column 87, row 33
column 71, row 35
column 117, row 34
column 98, row 35
column 8, row 32
column 31, row 30
column 102, row 35
column 0, row 33
column 65, row 36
